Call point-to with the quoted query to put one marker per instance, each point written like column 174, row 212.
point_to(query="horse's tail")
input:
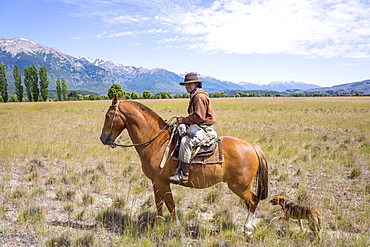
column 262, row 174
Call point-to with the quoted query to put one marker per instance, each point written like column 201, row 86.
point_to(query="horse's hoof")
column 249, row 228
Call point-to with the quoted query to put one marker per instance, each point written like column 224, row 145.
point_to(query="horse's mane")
column 146, row 109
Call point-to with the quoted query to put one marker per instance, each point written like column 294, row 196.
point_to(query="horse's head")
column 114, row 123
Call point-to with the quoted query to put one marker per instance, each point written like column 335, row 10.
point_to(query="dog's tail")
column 262, row 174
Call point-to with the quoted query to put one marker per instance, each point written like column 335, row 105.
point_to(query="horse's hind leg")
column 251, row 201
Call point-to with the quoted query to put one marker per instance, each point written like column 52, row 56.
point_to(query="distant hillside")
column 360, row 88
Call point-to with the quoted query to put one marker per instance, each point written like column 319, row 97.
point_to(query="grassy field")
column 59, row 186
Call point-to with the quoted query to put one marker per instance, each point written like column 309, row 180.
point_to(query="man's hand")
column 180, row 120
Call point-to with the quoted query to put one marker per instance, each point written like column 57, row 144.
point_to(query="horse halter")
column 114, row 115
column 113, row 145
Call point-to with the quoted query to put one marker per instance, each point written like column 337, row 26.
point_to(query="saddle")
column 210, row 154
column 205, row 150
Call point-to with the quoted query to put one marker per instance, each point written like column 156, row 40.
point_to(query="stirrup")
column 178, row 178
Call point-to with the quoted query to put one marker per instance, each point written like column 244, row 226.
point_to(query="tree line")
column 116, row 89
column 36, row 84
column 35, row 81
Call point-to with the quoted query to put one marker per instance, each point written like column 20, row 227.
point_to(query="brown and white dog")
column 299, row 213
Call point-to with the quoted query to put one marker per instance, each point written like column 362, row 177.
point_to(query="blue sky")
column 324, row 42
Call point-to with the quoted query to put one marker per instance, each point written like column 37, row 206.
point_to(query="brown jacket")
column 200, row 109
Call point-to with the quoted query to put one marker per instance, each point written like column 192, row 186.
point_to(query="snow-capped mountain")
column 15, row 47
column 19, row 45
column 159, row 79
column 79, row 74
column 280, row 86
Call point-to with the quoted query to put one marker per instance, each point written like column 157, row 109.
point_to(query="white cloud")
column 328, row 28
column 122, row 19
column 304, row 27
column 134, row 33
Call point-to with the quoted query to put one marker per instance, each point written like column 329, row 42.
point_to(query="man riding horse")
column 242, row 165
column 196, row 129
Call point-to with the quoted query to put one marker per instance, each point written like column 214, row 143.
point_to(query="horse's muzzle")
column 107, row 140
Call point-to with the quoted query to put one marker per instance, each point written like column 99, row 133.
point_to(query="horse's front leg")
column 158, row 200
column 162, row 193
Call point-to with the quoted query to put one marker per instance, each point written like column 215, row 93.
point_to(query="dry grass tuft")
column 31, row 214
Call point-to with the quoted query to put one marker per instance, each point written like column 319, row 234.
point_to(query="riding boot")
column 181, row 175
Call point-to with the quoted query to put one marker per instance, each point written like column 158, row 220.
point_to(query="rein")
column 168, row 123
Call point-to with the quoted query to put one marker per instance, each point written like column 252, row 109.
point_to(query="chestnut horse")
column 149, row 133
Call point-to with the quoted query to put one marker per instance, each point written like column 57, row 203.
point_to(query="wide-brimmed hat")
column 190, row 78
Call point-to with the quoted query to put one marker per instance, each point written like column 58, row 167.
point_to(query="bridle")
column 113, row 145
column 114, row 115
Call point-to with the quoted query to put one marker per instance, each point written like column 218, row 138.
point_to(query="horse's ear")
column 123, row 97
column 114, row 99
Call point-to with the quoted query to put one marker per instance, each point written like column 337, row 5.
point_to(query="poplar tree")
column 59, row 90
column 3, row 83
column 44, row 83
column 34, row 83
column 18, row 83
column 28, row 82
column 64, row 89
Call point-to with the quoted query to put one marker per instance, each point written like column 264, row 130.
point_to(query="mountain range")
column 279, row 86
column 97, row 75
column 353, row 88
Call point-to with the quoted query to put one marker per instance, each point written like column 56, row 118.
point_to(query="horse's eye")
column 106, row 117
